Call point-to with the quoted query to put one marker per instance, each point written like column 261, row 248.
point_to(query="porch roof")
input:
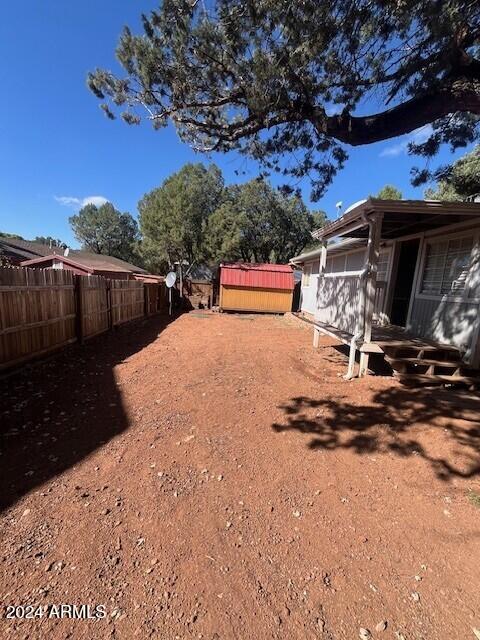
column 400, row 218
column 334, row 247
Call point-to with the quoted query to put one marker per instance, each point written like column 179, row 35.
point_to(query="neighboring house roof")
column 24, row 248
column 149, row 278
column 85, row 262
column 55, row 256
column 28, row 251
column 108, row 263
column 263, row 276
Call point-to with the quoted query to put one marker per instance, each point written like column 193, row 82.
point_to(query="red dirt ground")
column 216, row 478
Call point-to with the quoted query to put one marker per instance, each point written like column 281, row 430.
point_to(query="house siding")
column 338, row 300
column 444, row 321
column 309, row 294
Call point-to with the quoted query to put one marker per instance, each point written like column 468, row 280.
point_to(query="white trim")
column 343, row 274
column 444, row 297
column 416, row 278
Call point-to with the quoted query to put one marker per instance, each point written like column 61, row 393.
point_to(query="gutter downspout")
column 360, row 326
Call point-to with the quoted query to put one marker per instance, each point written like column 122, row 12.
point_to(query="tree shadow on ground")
column 56, row 412
column 391, row 422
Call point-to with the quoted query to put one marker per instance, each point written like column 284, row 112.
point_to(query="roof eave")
column 56, row 256
column 376, row 205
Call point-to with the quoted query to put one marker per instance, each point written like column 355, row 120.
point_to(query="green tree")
column 173, row 218
column 50, row 241
column 459, row 181
column 389, row 192
column 259, row 224
column 275, row 77
column 13, row 236
column 107, row 231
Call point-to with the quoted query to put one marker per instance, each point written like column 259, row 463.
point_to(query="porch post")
column 323, row 259
column 321, row 273
column 373, row 252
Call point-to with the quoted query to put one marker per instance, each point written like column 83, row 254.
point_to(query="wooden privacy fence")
column 127, row 300
column 42, row 310
column 156, row 298
column 37, row 313
column 92, row 305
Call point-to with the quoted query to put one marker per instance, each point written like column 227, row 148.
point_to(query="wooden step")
column 409, row 344
column 424, row 361
column 410, row 378
column 435, row 355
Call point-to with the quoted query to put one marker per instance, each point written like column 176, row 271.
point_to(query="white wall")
column 341, row 265
column 309, row 286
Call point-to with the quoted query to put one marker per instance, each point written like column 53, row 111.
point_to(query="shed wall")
column 255, row 299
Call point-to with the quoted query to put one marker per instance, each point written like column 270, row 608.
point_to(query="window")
column 306, row 275
column 345, row 263
column 382, row 267
column 446, row 266
column 355, row 261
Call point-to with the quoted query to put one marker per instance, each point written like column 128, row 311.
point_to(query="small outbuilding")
column 266, row 288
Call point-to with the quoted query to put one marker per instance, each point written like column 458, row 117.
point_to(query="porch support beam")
column 321, row 274
column 371, row 264
column 347, row 228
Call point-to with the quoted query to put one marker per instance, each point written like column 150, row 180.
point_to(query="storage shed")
column 256, row 287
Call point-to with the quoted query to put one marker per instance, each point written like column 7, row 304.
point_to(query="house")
column 84, row 264
column 37, row 255
column 15, row 250
column 256, row 287
column 401, row 278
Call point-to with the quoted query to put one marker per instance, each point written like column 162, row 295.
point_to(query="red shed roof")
column 262, row 276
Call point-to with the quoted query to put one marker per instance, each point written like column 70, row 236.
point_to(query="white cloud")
column 418, row 137
column 78, row 203
column 96, row 200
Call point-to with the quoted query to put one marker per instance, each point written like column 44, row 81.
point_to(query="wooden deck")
column 413, row 360
column 383, row 338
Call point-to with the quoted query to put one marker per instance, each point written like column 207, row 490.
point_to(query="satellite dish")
column 355, row 204
column 66, row 252
column 170, row 279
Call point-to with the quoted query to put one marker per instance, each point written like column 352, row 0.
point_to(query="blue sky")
column 57, row 149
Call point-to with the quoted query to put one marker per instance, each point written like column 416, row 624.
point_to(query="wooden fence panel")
column 93, row 305
column 37, row 312
column 156, row 298
column 127, row 300
column 42, row 310
column 152, row 295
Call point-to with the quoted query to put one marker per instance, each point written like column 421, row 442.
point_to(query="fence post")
column 79, row 307
column 108, row 290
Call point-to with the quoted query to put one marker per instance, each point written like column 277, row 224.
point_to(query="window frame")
column 462, row 296
column 308, row 266
column 344, row 274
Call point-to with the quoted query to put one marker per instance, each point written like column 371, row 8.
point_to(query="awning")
column 400, row 218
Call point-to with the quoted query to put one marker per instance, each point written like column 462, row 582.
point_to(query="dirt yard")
column 216, row 478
